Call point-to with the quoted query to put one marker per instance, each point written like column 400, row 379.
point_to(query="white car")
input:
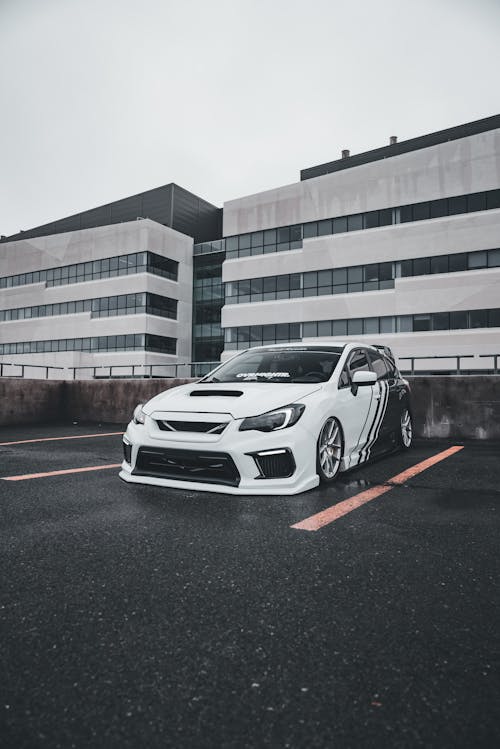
column 272, row 420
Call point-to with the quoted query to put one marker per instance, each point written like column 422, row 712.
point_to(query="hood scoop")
column 215, row 393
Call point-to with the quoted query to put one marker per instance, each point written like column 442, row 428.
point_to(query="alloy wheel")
column 330, row 449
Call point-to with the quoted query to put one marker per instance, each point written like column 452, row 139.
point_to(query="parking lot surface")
column 135, row 616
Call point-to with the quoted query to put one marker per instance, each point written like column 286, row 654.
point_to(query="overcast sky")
column 101, row 99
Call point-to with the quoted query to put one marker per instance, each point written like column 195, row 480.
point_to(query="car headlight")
column 274, row 420
column 139, row 415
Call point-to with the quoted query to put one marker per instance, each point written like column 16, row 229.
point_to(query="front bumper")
column 232, row 463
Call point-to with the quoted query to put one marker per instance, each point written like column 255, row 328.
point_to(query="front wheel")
column 330, row 449
column 406, row 429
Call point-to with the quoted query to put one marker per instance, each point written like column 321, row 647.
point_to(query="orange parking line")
column 315, row 522
column 26, row 476
column 53, row 439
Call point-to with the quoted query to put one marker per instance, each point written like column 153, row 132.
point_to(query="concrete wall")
column 30, row 401
column 458, row 408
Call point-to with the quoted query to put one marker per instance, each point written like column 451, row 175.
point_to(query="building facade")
column 400, row 245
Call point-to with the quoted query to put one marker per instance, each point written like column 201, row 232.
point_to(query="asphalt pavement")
column 135, row 616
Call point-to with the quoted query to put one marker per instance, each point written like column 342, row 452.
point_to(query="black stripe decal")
column 363, row 453
column 384, row 401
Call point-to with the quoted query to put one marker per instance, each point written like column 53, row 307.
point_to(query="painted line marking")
column 315, row 522
column 54, row 439
column 26, row 476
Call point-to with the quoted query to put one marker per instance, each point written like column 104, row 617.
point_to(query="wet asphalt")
column 134, row 616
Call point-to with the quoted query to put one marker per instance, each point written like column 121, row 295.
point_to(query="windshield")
column 279, row 365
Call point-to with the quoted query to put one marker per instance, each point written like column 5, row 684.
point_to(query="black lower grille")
column 275, row 464
column 187, row 465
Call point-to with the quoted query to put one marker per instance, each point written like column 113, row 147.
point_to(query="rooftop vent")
column 346, row 153
column 393, row 140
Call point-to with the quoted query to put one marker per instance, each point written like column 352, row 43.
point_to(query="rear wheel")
column 406, row 429
column 329, row 450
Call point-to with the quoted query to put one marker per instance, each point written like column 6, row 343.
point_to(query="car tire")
column 405, row 436
column 329, row 450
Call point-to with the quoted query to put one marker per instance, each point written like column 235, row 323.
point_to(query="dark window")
column 439, row 264
column 439, row 208
column 457, row 262
column 421, row 211
column 421, row 266
column 458, row 320
column 494, row 318
column 457, row 205
column 493, row 199
column 476, row 201
column 478, row 318
column 441, row 321
column 477, row 260
column 339, row 225
column 494, row 258
column 371, row 220
column 385, row 217
column 310, row 230
column 421, row 322
column 355, row 222
column 324, row 227
column 378, row 365
column 406, row 213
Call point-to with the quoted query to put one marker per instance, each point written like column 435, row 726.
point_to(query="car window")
column 379, row 365
column 392, row 371
column 357, row 362
column 282, row 365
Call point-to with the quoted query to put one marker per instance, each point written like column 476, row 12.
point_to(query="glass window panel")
column 355, row 274
column 283, row 246
column 324, row 227
column 268, row 333
column 244, row 288
column 270, row 236
column 387, row 325
column 244, row 241
column 385, row 217
column 270, row 284
column 458, row 320
column 476, row 201
column 478, row 318
column 370, row 272
column 324, row 328
column 283, row 234
column 256, row 285
column 296, row 233
column 283, row 283
column 439, row 264
column 493, row 258
column 421, row 322
column 439, row 208
column 244, row 252
column 457, row 205
column 494, row 318
column 441, row 321
column 421, row 266
column 257, row 238
column 406, row 213
column 457, row 262
column 339, row 276
column 295, row 279
column 370, row 325
column 310, row 280
column 477, row 260
column 282, row 332
column 324, row 278
column 311, row 230
column 385, row 272
column 493, row 199
column 404, row 323
column 355, row 222
column 421, row 211
column 371, row 219
column 355, row 327
column 294, row 330
column 231, row 243
column 255, row 334
column 309, row 329
column 339, row 225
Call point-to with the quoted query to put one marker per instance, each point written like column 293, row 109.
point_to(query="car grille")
column 187, row 465
column 275, row 464
column 208, row 427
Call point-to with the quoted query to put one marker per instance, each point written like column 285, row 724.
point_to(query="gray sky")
column 105, row 98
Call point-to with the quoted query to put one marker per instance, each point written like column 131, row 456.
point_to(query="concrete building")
column 399, row 245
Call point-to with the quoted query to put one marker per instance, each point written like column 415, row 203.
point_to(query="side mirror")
column 362, row 379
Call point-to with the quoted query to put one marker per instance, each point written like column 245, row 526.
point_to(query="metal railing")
column 457, row 358
column 25, row 366
column 115, row 371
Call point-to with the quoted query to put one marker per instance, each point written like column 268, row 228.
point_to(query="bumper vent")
column 127, row 452
column 187, row 465
column 208, row 427
column 275, row 464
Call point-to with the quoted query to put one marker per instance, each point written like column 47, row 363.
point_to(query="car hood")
column 237, row 399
